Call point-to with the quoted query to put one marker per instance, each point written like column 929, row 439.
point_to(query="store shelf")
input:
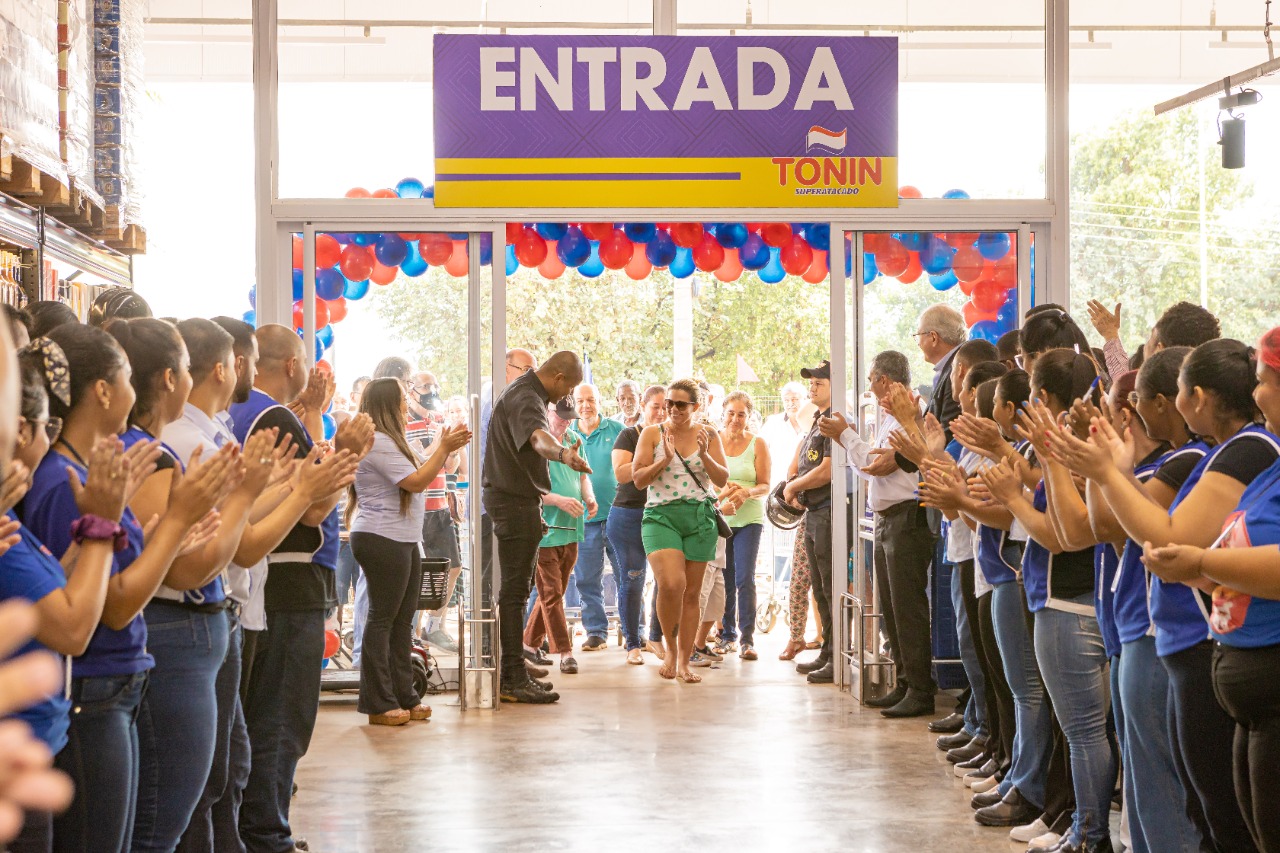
column 20, row 227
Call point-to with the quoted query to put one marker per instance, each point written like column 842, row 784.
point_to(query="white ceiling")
column 1185, row 42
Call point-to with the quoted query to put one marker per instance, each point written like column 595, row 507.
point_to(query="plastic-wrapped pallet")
column 119, row 93
column 29, row 84
column 75, row 94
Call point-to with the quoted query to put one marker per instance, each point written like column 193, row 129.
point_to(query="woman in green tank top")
column 743, row 501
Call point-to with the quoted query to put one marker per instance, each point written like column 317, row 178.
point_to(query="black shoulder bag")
column 722, row 524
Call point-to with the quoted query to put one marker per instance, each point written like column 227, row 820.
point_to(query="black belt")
column 211, row 607
column 897, row 509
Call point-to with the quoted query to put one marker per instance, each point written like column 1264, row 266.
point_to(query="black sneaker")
column 825, row 675
column 527, row 692
column 537, row 658
column 595, row 644
column 814, row 665
column 541, row 685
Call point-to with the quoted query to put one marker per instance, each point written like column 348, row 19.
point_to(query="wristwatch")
column 95, row 528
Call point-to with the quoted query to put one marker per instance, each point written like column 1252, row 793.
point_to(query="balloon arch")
column 984, row 266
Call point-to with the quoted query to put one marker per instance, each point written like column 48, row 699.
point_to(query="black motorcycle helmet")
column 782, row 514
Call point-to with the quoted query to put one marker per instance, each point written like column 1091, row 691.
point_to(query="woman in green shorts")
column 679, row 461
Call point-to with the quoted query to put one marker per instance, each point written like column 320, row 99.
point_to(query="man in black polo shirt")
column 809, row 486
column 518, row 447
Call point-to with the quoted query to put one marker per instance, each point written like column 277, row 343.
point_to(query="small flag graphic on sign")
column 820, row 137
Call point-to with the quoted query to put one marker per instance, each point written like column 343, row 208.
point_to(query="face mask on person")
column 431, row 401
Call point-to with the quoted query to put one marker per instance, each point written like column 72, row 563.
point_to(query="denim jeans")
column 1073, row 662
column 1157, row 814
column 655, row 627
column 740, row 584
column 178, row 720
column 588, row 575
column 347, row 571
column 975, row 717
column 101, row 757
column 280, row 714
column 1032, row 733
column 214, row 824
column 360, row 617
column 623, row 529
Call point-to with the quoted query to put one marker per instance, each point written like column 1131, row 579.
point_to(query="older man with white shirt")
column 904, row 544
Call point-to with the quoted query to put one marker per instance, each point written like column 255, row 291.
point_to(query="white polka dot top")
column 673, row 482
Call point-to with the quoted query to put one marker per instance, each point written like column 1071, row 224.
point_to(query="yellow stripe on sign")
column 819, row 182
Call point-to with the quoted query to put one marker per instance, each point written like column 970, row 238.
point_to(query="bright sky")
column 197, row 151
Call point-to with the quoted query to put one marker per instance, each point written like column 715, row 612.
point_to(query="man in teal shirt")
column 565, row 511
column 587, row 588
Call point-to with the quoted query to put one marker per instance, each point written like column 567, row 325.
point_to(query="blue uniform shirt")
column 29, row 571
column 1238, row 619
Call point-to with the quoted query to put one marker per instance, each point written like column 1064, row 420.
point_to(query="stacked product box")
column 75, row 94
column 29, row 84
column 118, row 97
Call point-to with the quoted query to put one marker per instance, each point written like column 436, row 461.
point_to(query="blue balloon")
column 253, row 295
column 1007, row 318
column 365, row 238
column 330, row 426
column 297, row 285
column 592, row 266
column 550, row 230
column 944, row 281
column 731, row 234
column 342, row 238
column 639, row 232
column 936, row 255
column 993, row 245
column 661, row 250
column 390, row 250
column 955, row 194
column 430, row 191
column 773, row 271
column 681, row 265
column 354, row 291
column 754, row 253
column 325, row 336
column 870, row 272
column 819, row 235
column 250, row 317
column 573, row 248
column 512, row 263
column 486, row 248
column 413, row 264
column 986, row 330
column 410, row 188
column 913, row 240
column 797, row 228
column 458, row 235
column 330, row 283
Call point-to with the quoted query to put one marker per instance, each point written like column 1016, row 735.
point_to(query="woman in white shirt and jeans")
column 385, row 539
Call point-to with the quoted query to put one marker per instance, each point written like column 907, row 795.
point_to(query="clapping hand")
column 261, row 458
column 942, row 487
column 454, row 438
column 882, row 463
column 319, row 391
column 981, row 435
column 1002, row 482
column 910, row 445
column 1173, row 563
column 104, row 491
column 321, row 474
column 1104, row 320
column 14, row 487
column 355, row 435
column 198, row 490
column 1036, row 424
column 834, row 425
column 200, row 533
column 903, row 404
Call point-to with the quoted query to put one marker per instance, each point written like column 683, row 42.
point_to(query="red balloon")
column 331, row 643
column 551, row 267
column 909, row 192
column 328, row 251
column 356, row 262
column 973, row 314
column 796, row 256
column 1005, row 271
column 893, row 259
column 457, row 264
column 731, row 269
column 435, row 248
column 988, row 296
column 776, row 234
column 966, row 287
column 874, row 242
column 514, row 230
column 357, row 192
column 817, row 272
column 598, row 231
column 385, row 193
column 297, row 253
column 913, row 270
column 382, row 274
column 755, row 227
column 616, row 251
column 960, row 239
column 337, row 310
column 531, row 249
column 324, row 366
column 968, row 263
column 686, row 234
column 709, row 254
column 322, row 314
column 639, row 267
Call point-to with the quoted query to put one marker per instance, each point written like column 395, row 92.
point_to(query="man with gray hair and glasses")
column 904, row 543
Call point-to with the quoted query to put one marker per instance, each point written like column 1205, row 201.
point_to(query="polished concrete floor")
column 753, row 758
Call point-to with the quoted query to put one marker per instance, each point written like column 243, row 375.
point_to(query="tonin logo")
column 826, row 140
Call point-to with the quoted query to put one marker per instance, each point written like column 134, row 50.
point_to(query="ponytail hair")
column 1228, row 369
column 1014, row 387
column 1158, row 374
column 90, row 355
column 1065, row 375
column 153, row 347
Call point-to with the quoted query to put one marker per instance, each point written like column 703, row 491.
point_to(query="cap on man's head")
column 565, row 410
column 822, row 371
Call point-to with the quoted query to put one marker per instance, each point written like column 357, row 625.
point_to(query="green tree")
column 1136, row 226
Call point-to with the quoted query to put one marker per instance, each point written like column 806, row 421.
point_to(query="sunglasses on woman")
column 680, row 405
